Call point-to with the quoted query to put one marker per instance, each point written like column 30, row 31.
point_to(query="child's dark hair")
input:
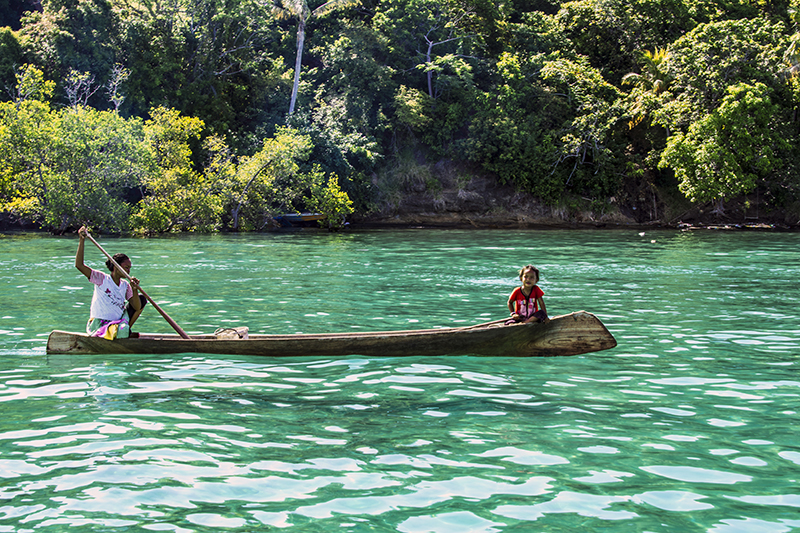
column 529, row 267
column 119, row 258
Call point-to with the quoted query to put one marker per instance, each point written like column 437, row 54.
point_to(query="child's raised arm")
column 79, row 264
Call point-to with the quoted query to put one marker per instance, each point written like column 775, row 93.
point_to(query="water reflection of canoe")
column 572, row 334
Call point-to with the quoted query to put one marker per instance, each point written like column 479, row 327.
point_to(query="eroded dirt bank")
column 482, row 203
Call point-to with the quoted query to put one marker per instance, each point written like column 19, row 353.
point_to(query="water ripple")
column 690, row 424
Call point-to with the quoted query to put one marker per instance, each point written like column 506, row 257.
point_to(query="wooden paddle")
column 171, row 322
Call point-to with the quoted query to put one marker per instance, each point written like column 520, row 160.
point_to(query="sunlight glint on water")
column 688, row 425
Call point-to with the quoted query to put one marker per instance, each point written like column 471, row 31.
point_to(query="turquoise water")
column 690, row 424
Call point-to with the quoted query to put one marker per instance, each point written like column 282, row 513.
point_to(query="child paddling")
column 112, row 295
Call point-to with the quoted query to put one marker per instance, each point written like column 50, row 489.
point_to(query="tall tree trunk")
column 430, row 72
column 301, row 37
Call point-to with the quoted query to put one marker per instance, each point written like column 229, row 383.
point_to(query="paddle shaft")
column 163, row 313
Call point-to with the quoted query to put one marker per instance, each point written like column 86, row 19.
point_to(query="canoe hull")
column 572, row 334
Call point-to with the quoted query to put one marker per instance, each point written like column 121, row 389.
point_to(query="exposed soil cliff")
column 441, row 196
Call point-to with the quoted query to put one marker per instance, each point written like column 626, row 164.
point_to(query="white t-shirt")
column 109, row 299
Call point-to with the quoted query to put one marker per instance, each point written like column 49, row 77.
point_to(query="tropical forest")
column 159, row 116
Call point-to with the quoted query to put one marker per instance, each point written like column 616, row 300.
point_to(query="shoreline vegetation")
column 480, row 202
column 534, row 218
column 206, row 117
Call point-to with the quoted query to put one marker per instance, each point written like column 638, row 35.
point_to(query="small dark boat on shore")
column 294, row 220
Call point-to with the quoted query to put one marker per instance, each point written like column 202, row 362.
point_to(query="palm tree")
column 652, row 79
column 286, row 9
column 792, row 55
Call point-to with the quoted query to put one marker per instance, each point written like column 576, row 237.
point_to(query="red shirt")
column 526, row 306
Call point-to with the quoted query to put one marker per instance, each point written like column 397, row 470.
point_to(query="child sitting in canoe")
column 112, row 294
column 525, row 303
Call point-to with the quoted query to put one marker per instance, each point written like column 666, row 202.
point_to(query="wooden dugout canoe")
column 572, row 334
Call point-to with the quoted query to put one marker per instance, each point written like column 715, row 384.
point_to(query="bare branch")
column 80, row 87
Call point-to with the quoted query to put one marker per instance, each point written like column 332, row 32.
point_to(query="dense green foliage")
column 138, row 115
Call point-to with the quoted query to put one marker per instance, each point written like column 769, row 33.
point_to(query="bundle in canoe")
column 571, row 334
